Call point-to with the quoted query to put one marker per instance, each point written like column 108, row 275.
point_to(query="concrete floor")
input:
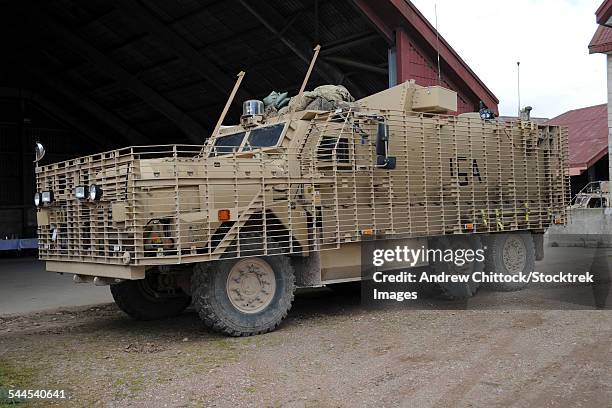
column 25, row 287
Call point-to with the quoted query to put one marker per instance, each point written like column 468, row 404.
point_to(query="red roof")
column 388, row 15
column 602, row 40
column 588, row 135
column 604, row 12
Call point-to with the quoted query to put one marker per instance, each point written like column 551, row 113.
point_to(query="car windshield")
column 264, row 136
column 227, row 144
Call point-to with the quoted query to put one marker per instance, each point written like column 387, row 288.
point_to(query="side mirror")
column 39, row 151
column 382, row 148
column 387, row 162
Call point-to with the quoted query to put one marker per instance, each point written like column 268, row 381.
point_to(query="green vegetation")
column 12, row 377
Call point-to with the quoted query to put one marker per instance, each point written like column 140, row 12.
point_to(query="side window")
column 326, row 148
column 227, row 144
column 595, row 202
column 264, row 137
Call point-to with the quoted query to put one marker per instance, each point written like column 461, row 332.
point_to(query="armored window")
column 329, row 144
column 264, row 136
column 227, row 144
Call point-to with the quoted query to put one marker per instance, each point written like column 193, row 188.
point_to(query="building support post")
column 609, row 63
column 392, row 63
column 402, row 55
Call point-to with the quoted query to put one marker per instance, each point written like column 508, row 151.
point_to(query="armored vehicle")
column 595, row 194
column 283, row 201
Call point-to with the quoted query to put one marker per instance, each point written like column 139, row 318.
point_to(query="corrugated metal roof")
column 601, row 41
column 588, row 135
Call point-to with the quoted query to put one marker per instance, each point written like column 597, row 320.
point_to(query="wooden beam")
column 192, row 129
column 349, row 42
column 364, row 66
column 222, row 81
column 52, row 79
column 52, row 108
column 266, row 14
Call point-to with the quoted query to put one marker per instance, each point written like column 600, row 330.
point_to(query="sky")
column 549, row 37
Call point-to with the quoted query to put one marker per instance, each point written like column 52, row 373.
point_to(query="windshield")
column 264, row 137
column 581, row 200
column 267, row 136
column 227, row 144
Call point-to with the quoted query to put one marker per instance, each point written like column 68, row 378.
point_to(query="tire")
column 139, row 300
column 498, row 260
column 455, row 291
column 215, row 294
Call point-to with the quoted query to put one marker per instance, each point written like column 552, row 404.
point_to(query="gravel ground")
column 330, row 352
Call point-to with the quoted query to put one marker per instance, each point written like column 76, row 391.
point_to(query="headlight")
column 95, row 193
column 37, row 199
column 47, row 197
column 80, row 192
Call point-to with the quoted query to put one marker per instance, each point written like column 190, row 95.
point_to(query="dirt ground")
column 330, row 352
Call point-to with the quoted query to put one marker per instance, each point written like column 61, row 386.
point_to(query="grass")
column 12, row 377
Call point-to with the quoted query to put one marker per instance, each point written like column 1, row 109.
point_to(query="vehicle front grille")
column 81, row 230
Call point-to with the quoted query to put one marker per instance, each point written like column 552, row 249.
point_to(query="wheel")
column 246, row 296
column 455, row 290
column 509, row 254
column 149, row 298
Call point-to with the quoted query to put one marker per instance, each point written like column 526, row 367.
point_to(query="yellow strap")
column 485, row 219
column 500, row 225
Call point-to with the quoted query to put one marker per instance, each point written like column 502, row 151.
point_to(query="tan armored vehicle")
column 595, row 194
column 284, row 201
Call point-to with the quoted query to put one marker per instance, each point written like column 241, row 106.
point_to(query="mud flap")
column 307, row 270
column 538, row 242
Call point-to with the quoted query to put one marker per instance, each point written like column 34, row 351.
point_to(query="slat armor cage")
column 319, row 187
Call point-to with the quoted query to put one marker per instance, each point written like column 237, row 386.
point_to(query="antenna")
column 228, row 103
column 518, row 85
column 310, row 67
column 438, row 44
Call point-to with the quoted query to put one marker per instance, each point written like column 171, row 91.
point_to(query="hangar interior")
column 89, row 76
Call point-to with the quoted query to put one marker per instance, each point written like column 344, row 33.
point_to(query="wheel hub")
column 514, row 255
column 251, row 285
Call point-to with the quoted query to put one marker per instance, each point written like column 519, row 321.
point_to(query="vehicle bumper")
column 99, row 270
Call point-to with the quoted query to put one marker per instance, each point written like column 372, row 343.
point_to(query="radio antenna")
column 310, row 67
column 228, row 103
column 438, row 43
column 518, row 85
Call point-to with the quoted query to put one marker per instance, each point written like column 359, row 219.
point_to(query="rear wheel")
column 242, row 297
column 509, row 254
column 150, row 298
column 456, row 266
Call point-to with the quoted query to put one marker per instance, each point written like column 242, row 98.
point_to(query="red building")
column 588, row 144
column 414, row 45
column 602, row 43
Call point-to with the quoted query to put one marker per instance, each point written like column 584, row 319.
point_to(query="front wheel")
column 242, row 297
column 148, row 299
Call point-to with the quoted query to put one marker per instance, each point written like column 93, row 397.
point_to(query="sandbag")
column 324, row 97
